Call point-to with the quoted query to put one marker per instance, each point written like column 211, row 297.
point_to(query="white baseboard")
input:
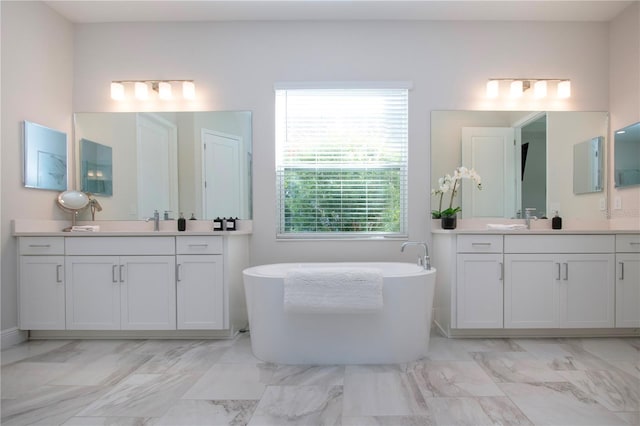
column 12, row 336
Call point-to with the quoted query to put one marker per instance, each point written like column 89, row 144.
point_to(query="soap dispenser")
column 556, row 222
column 182, row 223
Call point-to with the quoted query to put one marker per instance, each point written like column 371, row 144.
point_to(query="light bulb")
column 164, row 90
column 493, row 87
column 188, row 90
column 141, row 90
column 540, row 89
column 117, row 91
column 516, row 88
column 564, row 89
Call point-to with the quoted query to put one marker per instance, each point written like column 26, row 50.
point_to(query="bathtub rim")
column 415, row 271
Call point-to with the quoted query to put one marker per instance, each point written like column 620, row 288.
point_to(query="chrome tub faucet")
column 423, row 261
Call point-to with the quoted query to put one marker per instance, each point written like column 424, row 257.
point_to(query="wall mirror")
column 193, row 162
column 627, row 156
column 96, row 168
column 525, row 159
column 588, row 166
column 45, row 157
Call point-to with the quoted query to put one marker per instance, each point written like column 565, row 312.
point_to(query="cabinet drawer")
column 120, row 246
column 559, row 243
column 199, row 245
column 479, row 243
column 628, row 243
column 41, row 245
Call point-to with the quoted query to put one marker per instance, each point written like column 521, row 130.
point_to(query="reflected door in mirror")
column 491, row 152
column 222, row 175
column 157, row 165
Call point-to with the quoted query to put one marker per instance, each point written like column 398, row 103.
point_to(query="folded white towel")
column 334, row 290
column 506, row 227
column 85, row 228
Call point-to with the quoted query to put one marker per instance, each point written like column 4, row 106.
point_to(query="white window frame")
column 281, row 234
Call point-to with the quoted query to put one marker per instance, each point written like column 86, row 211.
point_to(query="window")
column 341, row 161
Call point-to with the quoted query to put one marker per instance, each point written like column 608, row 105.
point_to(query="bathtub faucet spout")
column 422, row 260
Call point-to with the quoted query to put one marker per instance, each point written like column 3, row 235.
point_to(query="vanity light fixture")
column 519, row 86
column 141, row 91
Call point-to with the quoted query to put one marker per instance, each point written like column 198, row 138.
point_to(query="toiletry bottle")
column 556, row 222
column 217, row 224
column 231, row 224
column 193, row 217
column 182, row 223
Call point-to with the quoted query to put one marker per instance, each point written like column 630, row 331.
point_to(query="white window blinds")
column 341, row 161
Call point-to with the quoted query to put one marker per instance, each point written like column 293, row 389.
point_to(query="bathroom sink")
column 506, row 227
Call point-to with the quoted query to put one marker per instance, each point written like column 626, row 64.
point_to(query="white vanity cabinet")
column 200, row 283
column 479, row 281
column 628, row 280
column 41, row 283
column 120, row 283
column 559, row 281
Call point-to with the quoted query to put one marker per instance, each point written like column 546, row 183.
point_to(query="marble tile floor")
column 219, row 382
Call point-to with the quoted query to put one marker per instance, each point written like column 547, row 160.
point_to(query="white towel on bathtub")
column 333, row 290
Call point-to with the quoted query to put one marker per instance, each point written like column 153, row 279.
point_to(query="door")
column 42, row 293
column 222, row 175
column 531, row 293
column 587, row 291
column 628, row 290
column 200, row 292
column 157, row 165
column 479, row 291
column 148, row 293
column 491, row 152
column 92, row 293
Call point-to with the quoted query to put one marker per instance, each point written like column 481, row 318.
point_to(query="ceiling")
column 311, row 10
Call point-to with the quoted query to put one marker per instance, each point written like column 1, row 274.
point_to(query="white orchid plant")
column 449, row 183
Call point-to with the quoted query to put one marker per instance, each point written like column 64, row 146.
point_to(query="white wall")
column 236, row 64
column 37, row 72
column 624, row 100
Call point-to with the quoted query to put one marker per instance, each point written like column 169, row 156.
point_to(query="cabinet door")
column 93, row 293
column 628, row 290
column 200, row 292
column 148, row 292
column 531, row 293
column 587, row 291
column 479, row 291
column 42, row 293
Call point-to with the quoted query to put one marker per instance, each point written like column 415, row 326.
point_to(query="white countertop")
column 539, row 227
column 536, row 231
column 134, row 228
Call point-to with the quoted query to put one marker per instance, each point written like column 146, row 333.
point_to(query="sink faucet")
column 156, row 220
column 528, row 216
column 422, row 260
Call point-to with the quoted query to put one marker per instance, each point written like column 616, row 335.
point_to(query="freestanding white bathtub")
column 397, row 333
